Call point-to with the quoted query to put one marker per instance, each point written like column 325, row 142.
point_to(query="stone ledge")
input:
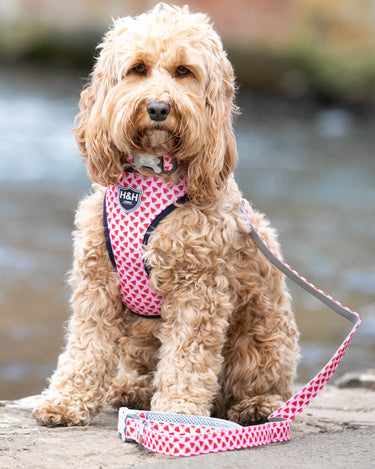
column 338, row 428
column 365, row 380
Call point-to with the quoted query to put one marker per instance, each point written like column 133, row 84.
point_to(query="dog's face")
column 156, row 100
column 162, row 85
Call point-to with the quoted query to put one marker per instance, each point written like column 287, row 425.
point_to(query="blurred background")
column 306, row 135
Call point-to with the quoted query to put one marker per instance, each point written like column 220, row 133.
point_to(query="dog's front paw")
column 254, row 409
column 178, row 406
column 54, row 413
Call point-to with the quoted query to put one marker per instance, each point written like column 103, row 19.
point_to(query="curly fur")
column 226, row 343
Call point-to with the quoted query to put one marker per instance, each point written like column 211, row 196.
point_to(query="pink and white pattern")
column 127, row 229
column 178, row 439
column 187, row 439
column 167, row 163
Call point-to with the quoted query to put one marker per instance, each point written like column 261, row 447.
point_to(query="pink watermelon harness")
column 132, row 210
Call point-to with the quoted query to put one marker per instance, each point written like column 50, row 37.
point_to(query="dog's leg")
column 260, row 363
column 85, row 368
column 133, row 386
column 192, row 337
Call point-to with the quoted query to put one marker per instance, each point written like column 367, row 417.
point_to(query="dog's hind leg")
column 86, row 367
column 133, row 386
column 129, row 389
column 260, row 359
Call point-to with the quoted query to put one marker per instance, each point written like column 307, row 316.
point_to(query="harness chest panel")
column 132, row 210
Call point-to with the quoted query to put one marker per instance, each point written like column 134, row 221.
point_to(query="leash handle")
column 300, row 400
column 189, row 438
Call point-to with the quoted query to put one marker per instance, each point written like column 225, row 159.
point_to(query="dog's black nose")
column 158, row 110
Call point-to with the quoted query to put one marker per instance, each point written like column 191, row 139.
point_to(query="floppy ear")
column 209, row 171
column 102, row 158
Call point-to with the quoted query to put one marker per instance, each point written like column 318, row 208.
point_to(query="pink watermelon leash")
column 188, row 435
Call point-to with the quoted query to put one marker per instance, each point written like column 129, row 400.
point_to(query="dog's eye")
column 182, row 71
column 140, row 69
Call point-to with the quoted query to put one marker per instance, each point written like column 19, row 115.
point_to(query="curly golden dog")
column 224, row 342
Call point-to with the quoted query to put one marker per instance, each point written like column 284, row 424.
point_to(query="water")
column 311, row 170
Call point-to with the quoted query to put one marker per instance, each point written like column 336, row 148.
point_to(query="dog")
column 220, row 337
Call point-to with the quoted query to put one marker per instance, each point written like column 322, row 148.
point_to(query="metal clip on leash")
column 187, row 435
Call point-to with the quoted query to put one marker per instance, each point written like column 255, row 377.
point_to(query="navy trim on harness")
column 106, row 234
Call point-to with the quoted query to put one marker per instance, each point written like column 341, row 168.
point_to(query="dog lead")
column 189, row 435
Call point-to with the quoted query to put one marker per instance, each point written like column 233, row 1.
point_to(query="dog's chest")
column 131, row 211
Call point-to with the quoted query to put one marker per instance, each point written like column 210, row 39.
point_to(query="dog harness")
column 188, row 435
column 131, row 211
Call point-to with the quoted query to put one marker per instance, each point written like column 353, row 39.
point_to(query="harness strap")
column 187, row 435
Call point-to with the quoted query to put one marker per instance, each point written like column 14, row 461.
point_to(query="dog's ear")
column 209, row 171
column 101, row 156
